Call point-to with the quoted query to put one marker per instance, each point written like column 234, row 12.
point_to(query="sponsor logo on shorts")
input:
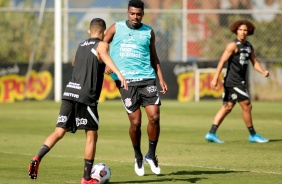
column 152, row 89
column 62, row 119
column 80, row 121
column 127, row 102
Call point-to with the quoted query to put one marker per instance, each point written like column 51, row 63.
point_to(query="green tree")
column 19, row 31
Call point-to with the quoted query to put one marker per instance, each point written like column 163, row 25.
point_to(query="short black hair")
column 136, row 4
column 97, row 23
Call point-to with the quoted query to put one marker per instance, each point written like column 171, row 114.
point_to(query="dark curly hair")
column 136, row 4
column 235, row 26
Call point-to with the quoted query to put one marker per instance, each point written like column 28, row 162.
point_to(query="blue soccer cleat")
column 257, row 138
column 213, row 138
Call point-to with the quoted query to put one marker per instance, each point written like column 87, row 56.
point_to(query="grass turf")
column 184, row 155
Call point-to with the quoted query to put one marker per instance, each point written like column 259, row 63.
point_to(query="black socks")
column 137, row 151
column 43, row 151
column 252, row 130
column 87, row 169
column 152, row 148
column 213, row 129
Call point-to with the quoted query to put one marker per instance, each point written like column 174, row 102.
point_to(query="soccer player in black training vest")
column 237, row 53
column 80, row 98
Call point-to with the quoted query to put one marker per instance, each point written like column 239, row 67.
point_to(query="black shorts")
column 75, row 116
column 142, row 95
column 235, row 94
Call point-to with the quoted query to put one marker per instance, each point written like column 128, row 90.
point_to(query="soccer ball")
column 101, row 172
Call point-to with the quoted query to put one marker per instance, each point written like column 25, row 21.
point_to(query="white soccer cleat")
column 153, row 164
column 139, row 167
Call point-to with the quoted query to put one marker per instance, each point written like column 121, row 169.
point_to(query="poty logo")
column 62, row 119
column 80, row 121
column 152, row 89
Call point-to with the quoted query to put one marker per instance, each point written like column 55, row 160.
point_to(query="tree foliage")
column 20, row 33
column 266, row 40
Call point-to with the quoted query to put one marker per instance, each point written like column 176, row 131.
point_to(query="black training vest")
column 237, row 65
column 86, row 82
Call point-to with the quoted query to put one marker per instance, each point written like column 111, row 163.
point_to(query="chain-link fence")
column 186, row 30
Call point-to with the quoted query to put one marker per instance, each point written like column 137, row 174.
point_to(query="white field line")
column 165, row 164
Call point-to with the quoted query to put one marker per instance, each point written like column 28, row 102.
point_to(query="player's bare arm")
column 230, row 49
column 108, row 38
column 103, row 55
column 73, row 62
column 257, row 64
column 156, row 64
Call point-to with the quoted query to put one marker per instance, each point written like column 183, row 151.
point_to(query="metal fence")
column 186, row 30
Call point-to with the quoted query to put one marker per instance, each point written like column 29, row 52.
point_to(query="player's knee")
column 154, row 119
column 248, row 108
column 59, row 135
column 228, row 108
column 135, row 124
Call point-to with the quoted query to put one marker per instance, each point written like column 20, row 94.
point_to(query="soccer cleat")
column 153, row 164
column 91, row 181
column 257, row 138
column 33, row 167
column 139, row 167
column 213, row 138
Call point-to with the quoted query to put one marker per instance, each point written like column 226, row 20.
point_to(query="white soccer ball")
column 101, row 172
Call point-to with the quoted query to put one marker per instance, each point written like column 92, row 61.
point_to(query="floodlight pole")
column 58, row 51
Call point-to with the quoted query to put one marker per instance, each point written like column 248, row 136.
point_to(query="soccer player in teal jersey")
column 134, row 53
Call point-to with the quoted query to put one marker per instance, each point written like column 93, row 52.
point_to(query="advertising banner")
column 185, row 81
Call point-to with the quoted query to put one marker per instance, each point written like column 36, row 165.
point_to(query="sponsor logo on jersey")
column 71, row 95
column 133, row 80
column 80, row 121
column 86, row 43
column 73, row 85
column 244, row 58
column 127, row 102
column 62, row 119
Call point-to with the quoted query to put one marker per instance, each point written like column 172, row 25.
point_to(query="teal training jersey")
column 130, row 52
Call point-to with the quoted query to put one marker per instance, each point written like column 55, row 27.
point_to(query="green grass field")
column 184, row 155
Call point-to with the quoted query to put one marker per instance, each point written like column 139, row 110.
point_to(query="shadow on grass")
column 275, row 140
column 180, row 173
column 165, row 180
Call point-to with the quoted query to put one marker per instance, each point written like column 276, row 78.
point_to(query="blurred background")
column 190, row 38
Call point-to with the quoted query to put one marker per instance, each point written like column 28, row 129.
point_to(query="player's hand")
column 214, row 84
column 266, row 73
column 108, row 70
column 123, row 83
column 163, row 86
